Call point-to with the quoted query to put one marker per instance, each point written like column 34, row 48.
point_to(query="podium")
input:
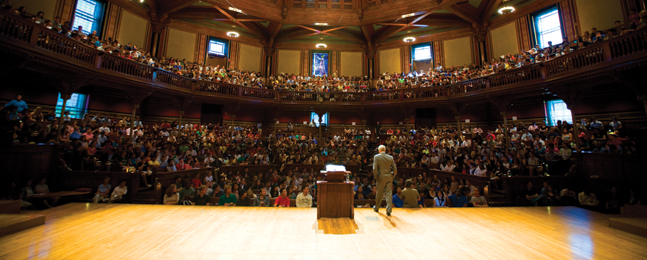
column 335, row 196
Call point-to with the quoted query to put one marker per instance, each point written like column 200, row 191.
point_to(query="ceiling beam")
column 368, row 31
column 254, row 31
column 171, row 7
column 404, row 24
column 377, row 38
column 273, row 29
column 346, row 35
column 490, row 9
column 465, row 11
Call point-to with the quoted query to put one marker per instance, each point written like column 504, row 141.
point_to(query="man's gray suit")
column 384, row 170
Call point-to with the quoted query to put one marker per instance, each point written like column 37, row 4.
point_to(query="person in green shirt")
column 228, row 199
column 187, row 191
column 410, row 195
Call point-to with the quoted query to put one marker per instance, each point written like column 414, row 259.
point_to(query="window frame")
column 549, row 111
column 536, row 35
column 97, row 18
column 422, row 45
column 77, row 105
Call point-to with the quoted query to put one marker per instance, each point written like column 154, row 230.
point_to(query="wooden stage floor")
column 91, row 231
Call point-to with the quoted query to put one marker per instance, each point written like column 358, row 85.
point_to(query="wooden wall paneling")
column 333, row 62
column 517, row 28
column 474, row 50
column 64, row 9
column 438, row 53
column 575, row 18
column 405, row 58
column 201, row 49
column 111, row 21
column 523, row 33
column 234, row 54
column 118, row 22
column 568, row 19
column 305, row 62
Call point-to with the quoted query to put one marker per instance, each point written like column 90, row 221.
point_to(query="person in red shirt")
column 196, row 182
column 283, row 200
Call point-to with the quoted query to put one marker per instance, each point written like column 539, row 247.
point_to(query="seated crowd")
column 147, row 148
column 438, row 76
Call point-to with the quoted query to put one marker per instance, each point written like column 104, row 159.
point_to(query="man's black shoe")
column 375, row 209
column 388, row 214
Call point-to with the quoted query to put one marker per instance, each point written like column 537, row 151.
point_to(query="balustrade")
column 21, row 30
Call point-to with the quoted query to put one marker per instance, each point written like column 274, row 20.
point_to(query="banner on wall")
column 319, row 64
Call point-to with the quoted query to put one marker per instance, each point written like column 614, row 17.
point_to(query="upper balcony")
column 47, row 50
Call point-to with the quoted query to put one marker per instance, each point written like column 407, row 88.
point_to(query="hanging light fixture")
column 506, row 9
column 233, row 33
column 409, row 38
column 321, row 45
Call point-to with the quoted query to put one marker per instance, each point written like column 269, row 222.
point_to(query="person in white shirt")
column 477, row 199
column 304, row 200
column 449, row 167
column 119, row 192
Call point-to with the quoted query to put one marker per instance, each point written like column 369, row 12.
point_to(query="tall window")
column 548, row 27
column 218, row 48
column 557, row 110
column 89, row 14
column 314, row 117
column 422, row 52
column 319, row 64
column 76, row 105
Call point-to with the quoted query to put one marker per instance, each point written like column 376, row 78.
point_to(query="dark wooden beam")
column 465, row 11
column 367, row 30
column 404, row 24
column 254, row 31
column 490, row 9
column 273, row 29
column 173, row 6
column 388, row 33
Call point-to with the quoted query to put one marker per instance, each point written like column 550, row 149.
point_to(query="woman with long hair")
column 171, row 197
column 440, row 200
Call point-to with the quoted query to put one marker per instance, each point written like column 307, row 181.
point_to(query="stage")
column 113, row 231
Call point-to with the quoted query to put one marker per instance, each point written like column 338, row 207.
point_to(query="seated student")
column 397, row 198
column 195, row 182
column 171, row 197
column 103, row 193
column 282, row 200
column 304, row 200
column 410, row 196
column 245, row 199
column 421, row 202
column 530, row 195
column 477, row 199
column 587, row 199
column 460, row 201
column 201, row 199
column 440, row 200
column 119, row 192
column 262, row 200
column 42, row 188
column 187, row 193
column 228, row 199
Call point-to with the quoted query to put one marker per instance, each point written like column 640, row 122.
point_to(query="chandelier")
column 506, row 9
column 233, row 33
column 409, row 39
column 321, row 45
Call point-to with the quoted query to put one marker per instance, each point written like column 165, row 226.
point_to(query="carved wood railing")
column 22, row 33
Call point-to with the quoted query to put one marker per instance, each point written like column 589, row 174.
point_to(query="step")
column 637, row 226
column 10, row 206
column 12, row 223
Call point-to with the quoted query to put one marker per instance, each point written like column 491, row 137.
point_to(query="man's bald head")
column 381, row 148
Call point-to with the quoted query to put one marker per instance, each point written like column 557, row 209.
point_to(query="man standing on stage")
column 384, row 170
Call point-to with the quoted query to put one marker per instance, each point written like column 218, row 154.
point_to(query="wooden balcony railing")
column 22, row 33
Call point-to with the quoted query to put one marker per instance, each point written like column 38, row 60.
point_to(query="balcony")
column 49, row 50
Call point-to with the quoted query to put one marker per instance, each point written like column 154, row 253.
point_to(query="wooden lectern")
column 335, row 196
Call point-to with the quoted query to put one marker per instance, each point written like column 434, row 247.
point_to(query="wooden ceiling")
column 365, row 22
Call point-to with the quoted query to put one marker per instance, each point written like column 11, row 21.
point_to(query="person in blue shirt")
column 460, row 201
column 397, row 201
column 19, row 104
